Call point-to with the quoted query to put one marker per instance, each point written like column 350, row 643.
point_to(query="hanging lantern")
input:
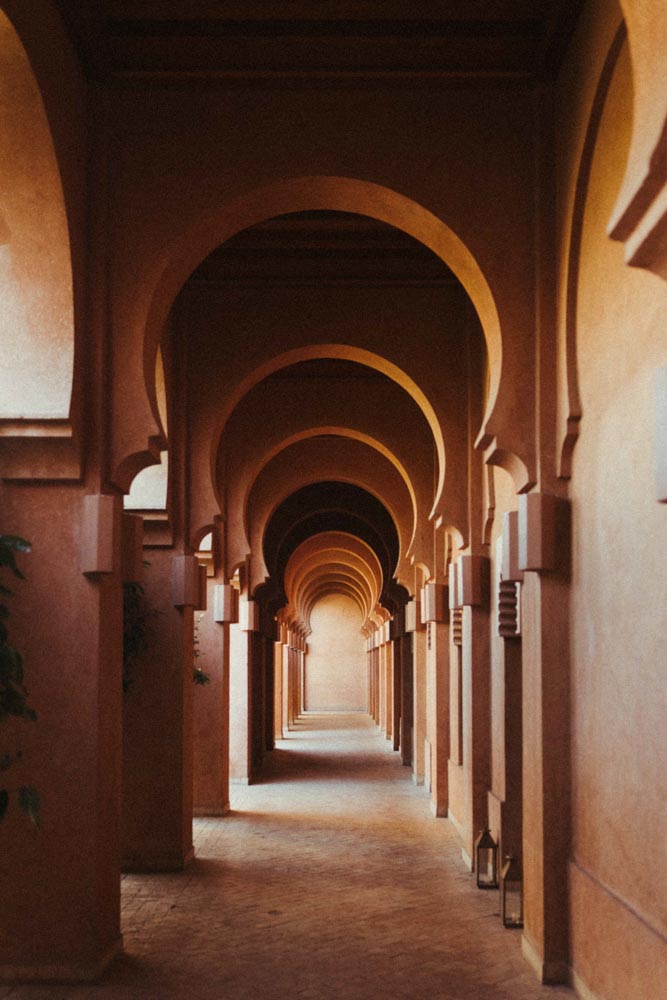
column 486, row 860
column 511, row 893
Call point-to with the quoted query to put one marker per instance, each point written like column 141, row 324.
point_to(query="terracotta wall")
column 618, row 600
column 336, row 661
column 65, row 918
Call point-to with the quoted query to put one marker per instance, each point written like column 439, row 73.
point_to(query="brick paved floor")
column 329, row 880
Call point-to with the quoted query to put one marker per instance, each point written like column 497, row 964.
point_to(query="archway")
column 37, row 316
column 292, row 196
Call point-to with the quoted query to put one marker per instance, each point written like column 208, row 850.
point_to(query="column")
column 435, row 604
column 211, row 704
column 60, row 883
column 388, row 683
column 397, row 681
column 544, row 558
column 419, row 703
column 157, row 721
column 241, row 694
column 473, row 583
column 505, row 795
column 412, row 622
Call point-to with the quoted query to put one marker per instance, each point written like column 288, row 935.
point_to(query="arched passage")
column 288, row 197
column 349, row 353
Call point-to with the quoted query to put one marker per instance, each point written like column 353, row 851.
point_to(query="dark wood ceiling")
column 323, row 248
column 292, row 39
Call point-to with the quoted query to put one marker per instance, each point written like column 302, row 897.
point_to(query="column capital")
column 544, row 532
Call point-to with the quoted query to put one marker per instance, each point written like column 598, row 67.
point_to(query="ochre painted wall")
column 336, row 668
column 618, row 602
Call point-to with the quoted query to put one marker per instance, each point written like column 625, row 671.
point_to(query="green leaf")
column 29, row 802
column 4, row 801
column 7, row 559
column 15, row 542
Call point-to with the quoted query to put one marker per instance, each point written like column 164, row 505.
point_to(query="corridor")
column 328, row 880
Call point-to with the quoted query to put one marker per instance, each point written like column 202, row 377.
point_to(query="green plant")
column 199, row 676
column 135, row 627
column 13, row 693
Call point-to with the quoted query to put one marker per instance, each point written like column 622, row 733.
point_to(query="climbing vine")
column 135, row 628
column 13, row 692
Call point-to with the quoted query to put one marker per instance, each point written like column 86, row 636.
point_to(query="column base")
column 582, row 990
column 76, row 972
column 159, row 863
column 201, row 812
column 550, row 973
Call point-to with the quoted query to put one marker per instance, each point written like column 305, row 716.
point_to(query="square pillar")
column 61, row 883
column 211, row 711
column 544, row 534
column 158, row 720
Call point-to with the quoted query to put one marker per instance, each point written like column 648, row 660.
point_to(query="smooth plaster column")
column 544, row 557
column 285, row 720
column 419, row 705
column 437, row 666
column 258, row 702
column 240, row 706
column 382, row 677
column 407, row 699
column 278, row 690
column 505, row 795
column 473, row 596
column 396, row 687
column 389, row 689
column 60, row 882
column 157, row 723
column 211, row 716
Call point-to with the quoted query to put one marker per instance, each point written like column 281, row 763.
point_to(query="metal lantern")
column 486, row 860
column 511, row 893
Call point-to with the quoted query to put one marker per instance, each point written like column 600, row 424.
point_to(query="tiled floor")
column 328, row 880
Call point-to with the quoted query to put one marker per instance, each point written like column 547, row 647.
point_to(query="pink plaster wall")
column 618, row 602
column 60, row 883
column 336, row 662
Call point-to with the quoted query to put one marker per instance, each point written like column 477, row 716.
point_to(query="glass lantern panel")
column 486, row 868
column 512, row 904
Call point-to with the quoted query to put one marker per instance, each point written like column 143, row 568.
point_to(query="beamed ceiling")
column 356, row 39
column 317, row 248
